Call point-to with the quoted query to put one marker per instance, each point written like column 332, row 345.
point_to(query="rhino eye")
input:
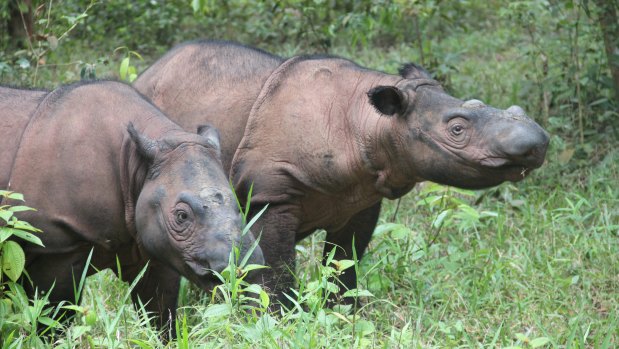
column 457, row 129
column 181, row 216
column 457, row 132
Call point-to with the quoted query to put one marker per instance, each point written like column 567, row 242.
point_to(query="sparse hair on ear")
column 211, row 134
column 388, row 100
column 146, row 147
column 413, row 71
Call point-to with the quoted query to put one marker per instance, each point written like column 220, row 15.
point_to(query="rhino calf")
column 108, row 172
column 323, row 140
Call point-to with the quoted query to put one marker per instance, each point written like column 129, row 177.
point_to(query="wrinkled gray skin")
column 107, row 171
column 323, row 140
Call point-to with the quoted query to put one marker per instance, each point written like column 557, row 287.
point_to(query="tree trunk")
column 609, row 24
column 20, row 21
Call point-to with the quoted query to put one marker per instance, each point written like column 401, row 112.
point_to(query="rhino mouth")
column 205, row 279
column 513, row 172
column 201, row 275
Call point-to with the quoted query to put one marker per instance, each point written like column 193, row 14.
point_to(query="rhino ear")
column 387, row 100
column 146, row 146
column 414, row 71
column 211, row 134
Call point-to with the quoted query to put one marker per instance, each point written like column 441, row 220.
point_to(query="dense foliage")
column 527, row 265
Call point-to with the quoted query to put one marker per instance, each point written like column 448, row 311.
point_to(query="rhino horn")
column 146, row 146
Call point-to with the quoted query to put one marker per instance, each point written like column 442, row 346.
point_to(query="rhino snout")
column 525, row 145
column 206, row 262
column 215, row 255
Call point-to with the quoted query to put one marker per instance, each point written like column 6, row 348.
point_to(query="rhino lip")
column 496, row 162
column 511, row 171
column 514, row 172
column 202, row 276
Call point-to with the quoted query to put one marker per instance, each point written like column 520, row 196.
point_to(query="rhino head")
column 446, row 140
column 186, row 214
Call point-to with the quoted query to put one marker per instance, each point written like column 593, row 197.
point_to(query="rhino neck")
column 382, row 150
column 133, row 172
column 134, row 168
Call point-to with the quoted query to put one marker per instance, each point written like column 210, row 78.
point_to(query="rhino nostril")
column 218, row 198
column 530, row 153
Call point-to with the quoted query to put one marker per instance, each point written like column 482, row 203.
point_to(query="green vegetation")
column 526, row 265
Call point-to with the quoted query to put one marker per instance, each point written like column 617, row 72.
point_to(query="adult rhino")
column 323, row 139
column 108, row 172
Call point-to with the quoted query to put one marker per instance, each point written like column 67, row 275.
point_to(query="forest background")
column 524, row 265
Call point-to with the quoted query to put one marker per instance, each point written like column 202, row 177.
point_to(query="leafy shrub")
column 19, row 316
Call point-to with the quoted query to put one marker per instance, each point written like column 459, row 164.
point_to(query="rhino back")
column 305, row 136
column 212, row 82
column 69, row 163
column 16, row 107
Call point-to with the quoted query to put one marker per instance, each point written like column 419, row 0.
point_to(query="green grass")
column 537, row 268
column 541, row 269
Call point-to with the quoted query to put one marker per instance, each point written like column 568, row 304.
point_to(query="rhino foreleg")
column 359, row 228
column 158, row 291
column 277, row 228
column 59, row 272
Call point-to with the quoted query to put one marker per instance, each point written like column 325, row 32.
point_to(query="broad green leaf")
column 27, row 236
column 251, row 267
column 195, row 5
column 253, row 288
column 386, row 228
column 142, row 344
column 25, row 226
column 430, row 200
column 538, row 342
column 6, row 215
column 124, row 67
column 440, row 218
column 16, row 196
column 264, row 299
column 431, row 187
column 75, row 308
column 13, row 260
column 331, row 287
column 217, row 310
column 5, row 232
column 522, row 337
column 49, row 322
column 401, row 232
column 23, row 63
column 364, row 327
column 357, row 293
column 343, row 264
column 20, row 208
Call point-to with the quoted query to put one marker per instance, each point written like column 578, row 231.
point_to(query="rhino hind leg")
column 359, row 228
